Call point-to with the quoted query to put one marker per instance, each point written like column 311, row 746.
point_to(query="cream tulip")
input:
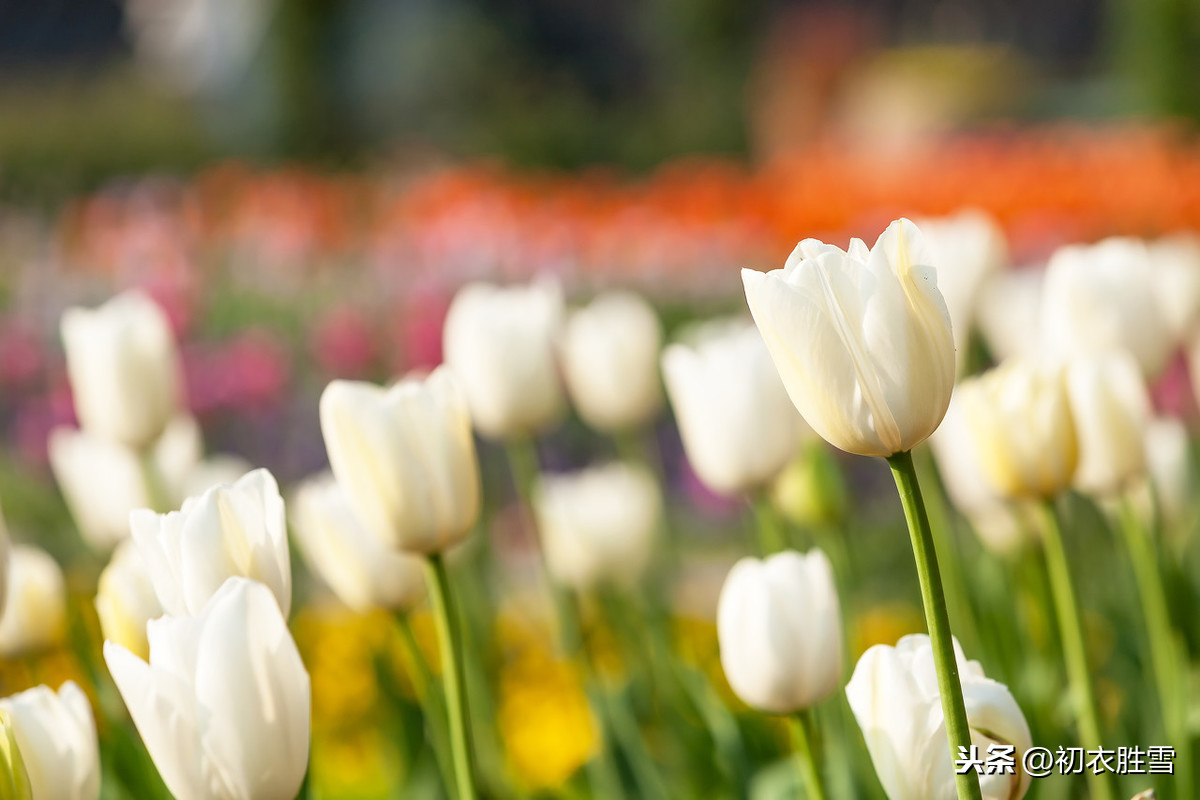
column 360, row 569
column 610, row 361
column 598, row 525
column 233, row 529
column 500, row 344
column 738, row 427
column 56, row 734
column 35, row 613
column 223, row 704
column 1019, row 418
column 406, row 458
column 779, row 627
column 894, row 696
column 125, row 599
column 1110, row 408
column 122, row 364
column 1175, row 261
column 1100, row 298
column 862, row 339
column 1009, row 313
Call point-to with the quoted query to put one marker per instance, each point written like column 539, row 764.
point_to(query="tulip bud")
column 862, row 339
column 232, row 529
column 1110, row 408
column 14, row 778
column 610, row 361
column 125, row 599
column 738, row 427
column 780, row 631
column 894, row 696
column 598, row 525
column 1175, row 264
column 35, row 614
column 811, row 490
column 1162, row 495
column 405, row 457
column 500, row 344
column 1100, row 298
column 360, row 569
column 122, row 364
column 223, row 704
column 56, row 736
column 1009, row 313
column 1019, row 418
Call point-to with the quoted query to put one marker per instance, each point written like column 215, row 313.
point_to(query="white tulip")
column 598, row 525
column 610, row 361
column 1164, row 492
column 1176, row 267
column 208, row 472
column 779, row 627
column 122, row 364
column 406, row 458
column 56, row 734
column 862, row 339
column 1110, row 408
column 738, row 426
column 125, row 599
column 966, row 248
column 894, row 696
column 232, row 529
column 1009, row 313
column 1099, row 298
column 360, row 569
column 500, row 344
column 223, row 705
column 35, row 609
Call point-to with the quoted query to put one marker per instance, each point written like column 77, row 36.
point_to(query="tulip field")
column 838, row 477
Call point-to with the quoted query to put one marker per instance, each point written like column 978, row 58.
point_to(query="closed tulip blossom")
column 223, row 703
column 1175, row 261
column 1110, row 408
column 738, row 427
column 780, row 631
column 598, row 525
column 405, row 457
column 1164, row 492
column 1009, row 313
column 360, row 569
column 862, row 339
column 56, row 734
column 233, row 529
column 122, row 364
column 500, row 342
column 894, row 696
column 35, row 608
column 125, row 599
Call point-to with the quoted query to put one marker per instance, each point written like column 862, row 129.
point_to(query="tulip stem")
column 800, row 724
column 1070, row 629
column 958, row 732
column 156, row 487
column 771, row 538
column 441, row 598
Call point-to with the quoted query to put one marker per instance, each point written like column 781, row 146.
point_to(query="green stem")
column 954, row 709
column 771, row 537
column 422, row 678
column 1070, row 630
column 1164, row 658
column 450, row 643
column 800, row 724
column 156, row 486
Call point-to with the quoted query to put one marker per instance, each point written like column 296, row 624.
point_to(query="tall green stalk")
column 1070, row 629
column 450, row 647
column 801, row 723
column 156, row 486
column 954, row 709
column 771, row 537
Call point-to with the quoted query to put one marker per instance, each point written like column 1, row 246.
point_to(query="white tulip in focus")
column 1019, row 418
column 738, row 426
column 1175, row 261
column 1110, row 408
column 894, row 696
column 610, row 361
column 1009, row 313
column 779, row 627
column 125, row 599
column 1100, row 298
column 406, row 458
column 862, row 339
column 966, row 248
column 223, row 704
column 122, row 364
column 500, row 343
column 232, row 529
column 56, row 734
column 598, row 525
column 360, row 569
column 35, row 608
